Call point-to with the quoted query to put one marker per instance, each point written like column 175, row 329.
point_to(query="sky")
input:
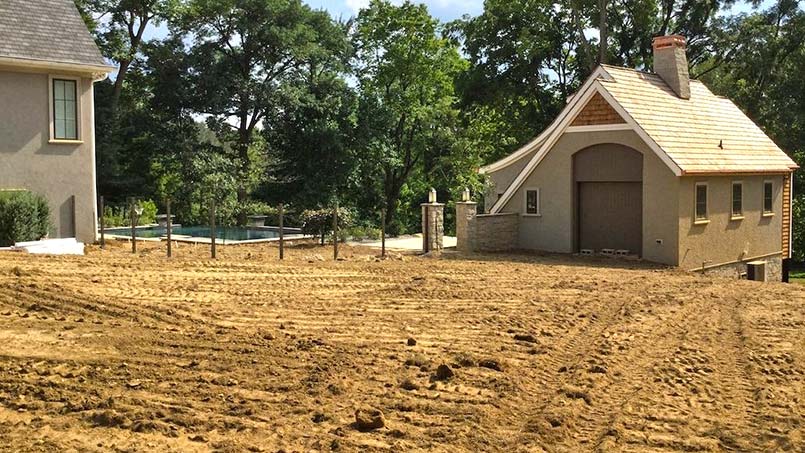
column 444, row 10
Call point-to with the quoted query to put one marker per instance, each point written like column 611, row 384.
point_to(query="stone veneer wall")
column 496, row 232
column 774, row 269
column 485, row 232
column 432, row 227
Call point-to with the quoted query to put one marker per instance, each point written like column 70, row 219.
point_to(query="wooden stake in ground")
column 133, row 226
column 169, row 225
column 212, row 228
column 383, row 233
column 335, row 231
column 103, row 223
column 282, row 239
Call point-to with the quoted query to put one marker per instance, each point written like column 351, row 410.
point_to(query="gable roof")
column 49, row 31
column 706, row 134
column 691, row 130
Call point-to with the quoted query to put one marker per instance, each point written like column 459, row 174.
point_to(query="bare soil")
column 115, row 352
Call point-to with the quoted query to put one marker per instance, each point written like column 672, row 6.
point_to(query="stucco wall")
column 723, row 240
column 554, row 230
column 500, row 180
column 29, row 161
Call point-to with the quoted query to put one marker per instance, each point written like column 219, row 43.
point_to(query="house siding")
column 63, row 173
column 723, row 241
column 554, row 230
column 500, row 180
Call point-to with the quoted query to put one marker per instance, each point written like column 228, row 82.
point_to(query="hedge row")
column 24, row 216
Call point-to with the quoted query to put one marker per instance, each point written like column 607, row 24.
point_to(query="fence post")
column 383, row 233
column 103, row 226
column 212, row 227
column 335, row 231
column 282, row 237
column 169, row 225
column 133, row 225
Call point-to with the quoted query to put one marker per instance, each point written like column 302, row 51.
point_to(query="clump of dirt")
column 369, row 419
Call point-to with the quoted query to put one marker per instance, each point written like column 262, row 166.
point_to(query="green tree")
column 406, row 75
column 243, row 52
column 119, row 27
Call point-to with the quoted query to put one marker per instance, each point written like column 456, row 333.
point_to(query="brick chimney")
column 671, row 63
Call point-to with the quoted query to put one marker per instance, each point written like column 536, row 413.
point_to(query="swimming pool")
column 234, row 234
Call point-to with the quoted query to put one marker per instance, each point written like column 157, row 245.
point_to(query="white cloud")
column 357, row 5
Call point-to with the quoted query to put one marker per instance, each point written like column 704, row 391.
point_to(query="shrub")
column 24, row 216
column 149, row 215
column 118, row 216
column 319, row 222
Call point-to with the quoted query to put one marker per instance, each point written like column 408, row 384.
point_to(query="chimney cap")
column 661, row 42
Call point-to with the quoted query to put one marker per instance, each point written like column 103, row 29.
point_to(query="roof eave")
column 97, row 71
column 754, row 171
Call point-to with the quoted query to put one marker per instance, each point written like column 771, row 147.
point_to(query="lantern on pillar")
column 465, row 195
column 432, row 196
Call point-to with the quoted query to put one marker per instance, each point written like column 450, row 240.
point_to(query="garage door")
column 611, row 216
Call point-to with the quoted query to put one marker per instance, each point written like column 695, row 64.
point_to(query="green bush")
column 149, row 215
column 118, row 216
column 24, row 216
column 319, row 222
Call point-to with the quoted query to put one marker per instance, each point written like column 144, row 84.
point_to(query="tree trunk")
column 118, row 88
column 602, row 28
column 243, row 153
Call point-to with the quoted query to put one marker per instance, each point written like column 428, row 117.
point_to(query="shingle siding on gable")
column 46, row 30
column 597, row 112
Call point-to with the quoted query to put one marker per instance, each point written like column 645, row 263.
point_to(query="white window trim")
column 734, row 216
column 706, row 219
column 525, row 202
column 51, row 113
column 765, row 213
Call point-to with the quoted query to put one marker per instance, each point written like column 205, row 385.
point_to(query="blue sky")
column 445, row 10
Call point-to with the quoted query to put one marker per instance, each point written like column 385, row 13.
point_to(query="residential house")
column 48, row 64
column 652, row 165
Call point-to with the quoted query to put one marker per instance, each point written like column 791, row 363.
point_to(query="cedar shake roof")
column 46, row 30
column 691, row 130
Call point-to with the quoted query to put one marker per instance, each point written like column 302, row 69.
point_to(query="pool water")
column 223, row 233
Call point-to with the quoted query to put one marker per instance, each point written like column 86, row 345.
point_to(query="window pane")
column 768, row 197
column 737, row 199
column 59, row 132
column 70, row 130
column 69, row 90
column 701, row 202
column 69, row 110
column 531, row 202
column 65, row 110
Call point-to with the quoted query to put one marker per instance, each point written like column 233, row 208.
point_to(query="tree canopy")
column 268, row 101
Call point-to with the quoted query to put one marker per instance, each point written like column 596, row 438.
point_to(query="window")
column 701, row 201
column 768, row 197
column 737, row 200
column 532, row 202
column 65, row 109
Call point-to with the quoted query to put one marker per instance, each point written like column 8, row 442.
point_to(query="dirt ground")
column 114, row 352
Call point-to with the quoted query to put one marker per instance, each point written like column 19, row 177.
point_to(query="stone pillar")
column 465, row 225
column 432, row 224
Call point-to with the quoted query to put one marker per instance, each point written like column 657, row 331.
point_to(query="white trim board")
column 567, row 117
column 537, row 142
column 599, row 128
